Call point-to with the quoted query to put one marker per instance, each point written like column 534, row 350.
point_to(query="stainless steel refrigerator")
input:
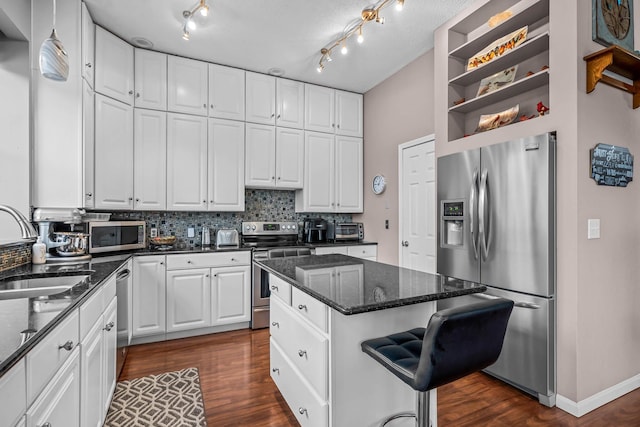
column 497, row 227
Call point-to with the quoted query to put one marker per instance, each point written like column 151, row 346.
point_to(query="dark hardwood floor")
column 238, row 391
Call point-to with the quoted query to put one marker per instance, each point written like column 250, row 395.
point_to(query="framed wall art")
column 611, row 165
column 613, row 23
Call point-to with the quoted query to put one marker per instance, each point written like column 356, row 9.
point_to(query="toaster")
column 227, row 238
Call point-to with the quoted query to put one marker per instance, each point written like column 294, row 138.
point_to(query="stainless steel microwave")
column 111, row 236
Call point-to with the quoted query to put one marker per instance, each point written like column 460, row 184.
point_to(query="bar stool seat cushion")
column 457, row 342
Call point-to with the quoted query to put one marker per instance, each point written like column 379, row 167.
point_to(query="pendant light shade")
column 54, row 62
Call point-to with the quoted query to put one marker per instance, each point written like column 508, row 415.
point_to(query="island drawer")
column 280, row 289
column 51, row 353
column 310, row 308
column 308, row 409
column 92, row 309
column 201, row 260
column 303, row 344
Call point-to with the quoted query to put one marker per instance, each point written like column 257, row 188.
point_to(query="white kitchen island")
column 323, row 307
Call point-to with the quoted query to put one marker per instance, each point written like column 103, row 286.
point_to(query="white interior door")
column 417, row 214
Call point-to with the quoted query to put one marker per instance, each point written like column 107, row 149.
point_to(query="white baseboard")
column 578, row 409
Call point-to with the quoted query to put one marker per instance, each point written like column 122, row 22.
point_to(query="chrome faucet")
column 26, row 229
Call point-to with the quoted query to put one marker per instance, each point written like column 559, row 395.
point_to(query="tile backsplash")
column 14, row 256
column 260, row 205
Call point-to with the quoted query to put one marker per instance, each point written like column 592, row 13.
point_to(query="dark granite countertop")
column 364, row 285
column 43, row 314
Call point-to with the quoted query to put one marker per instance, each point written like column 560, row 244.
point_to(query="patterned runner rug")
column 172, row 399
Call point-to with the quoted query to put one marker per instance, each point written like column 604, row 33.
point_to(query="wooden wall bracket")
column 618, row 61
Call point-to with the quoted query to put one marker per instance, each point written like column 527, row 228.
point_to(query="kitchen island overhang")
column 322, row 308
column 384, row 286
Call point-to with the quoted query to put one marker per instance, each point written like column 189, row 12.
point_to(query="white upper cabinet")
column 151, row 80
column 333, row 174
column 114, row 67
column 348, row 113
column 319, row 174
column 260, row 98
column 274, row 157
column 319, row 108
column 290, row 99
column 88, row 137
column 186, row 162
column 289, row 158
column 187, row 83
column 333, row 111
column 150, row 159
column 88, row 45
column 114, row 154
column 260, row 159
column 226, row 92
column 226, row 165
column 349, row 174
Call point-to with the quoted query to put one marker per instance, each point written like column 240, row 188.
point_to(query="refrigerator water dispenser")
column 452, row 223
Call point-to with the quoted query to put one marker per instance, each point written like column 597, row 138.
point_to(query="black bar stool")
column 457, row 342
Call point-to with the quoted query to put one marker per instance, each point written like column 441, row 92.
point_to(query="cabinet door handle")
column 88, row 65
column 130, row 199
column 204, row 105
column 137, row 94
column 108, row 326
column 89, row 194
column 206, row 275
column 302, row 307
column 204, row 201
column 67, row 346
column 278, row 178
column 275, row 324
column 273, row 115
column 213, row 107
column 302, row 410
column 131, row 92
column 278, row 117
column 302, row 353
column 276, row 370
column 338, row 125
column 47, row 424
column 161, row 263
column 274, row 288
column 189, row 261
column 233, row 260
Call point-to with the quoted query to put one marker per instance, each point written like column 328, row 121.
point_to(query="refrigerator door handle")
column 473, row 208
column 482, row 221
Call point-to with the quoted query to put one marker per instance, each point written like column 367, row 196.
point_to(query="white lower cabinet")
column 149, row 296
column 59, row 403
column 13, row 395
column 230, row 295
column 98, row 354
column 369, row 252
column 188, row 299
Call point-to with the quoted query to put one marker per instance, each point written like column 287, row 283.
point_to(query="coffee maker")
column 315, row 230
column 63, row 233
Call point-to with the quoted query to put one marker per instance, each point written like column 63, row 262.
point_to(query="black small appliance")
column 315, row 230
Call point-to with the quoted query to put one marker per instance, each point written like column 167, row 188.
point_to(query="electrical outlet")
column 386, row 224
column 153, row 232
column 191, row 232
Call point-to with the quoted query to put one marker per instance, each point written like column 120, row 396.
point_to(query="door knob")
column 405, row 243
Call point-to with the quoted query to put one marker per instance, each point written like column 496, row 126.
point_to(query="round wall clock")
column 613, row 23
column 379, row 184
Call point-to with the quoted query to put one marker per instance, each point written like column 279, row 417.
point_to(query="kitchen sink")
column 31, row 287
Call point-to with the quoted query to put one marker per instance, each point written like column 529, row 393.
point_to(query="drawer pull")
column 276, row 370
column 47, row 424
column 233, row 260
column 276, row 324
column 274, row 288
column 189, row 261
column 302, row 411
column 109, row 326
column 302, row 307
column 67, row 346
column 302, row 353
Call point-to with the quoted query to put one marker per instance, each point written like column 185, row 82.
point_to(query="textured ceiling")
column 259, row 35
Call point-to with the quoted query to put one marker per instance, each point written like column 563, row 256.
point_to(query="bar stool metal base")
column 422, row 411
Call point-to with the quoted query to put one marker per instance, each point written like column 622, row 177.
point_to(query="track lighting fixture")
column 367, row 15
column 188, row 15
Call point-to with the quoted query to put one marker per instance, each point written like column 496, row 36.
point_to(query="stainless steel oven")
column 269, row 239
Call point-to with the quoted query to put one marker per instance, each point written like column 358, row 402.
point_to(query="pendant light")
column 54, row 62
